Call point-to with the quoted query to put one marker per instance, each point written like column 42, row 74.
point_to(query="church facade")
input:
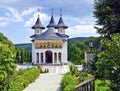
column 49, row 47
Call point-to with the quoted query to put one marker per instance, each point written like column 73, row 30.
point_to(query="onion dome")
column 51, row 23
column 38, row 24
column 61, row 23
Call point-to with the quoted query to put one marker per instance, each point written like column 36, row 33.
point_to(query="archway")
column 48, row 56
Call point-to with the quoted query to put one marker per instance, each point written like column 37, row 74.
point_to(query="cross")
column 60, row 12
column 52, row 11
column 38, row 10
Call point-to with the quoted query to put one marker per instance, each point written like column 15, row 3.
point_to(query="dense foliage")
column 68, row 82
column 102, row 85
column 73, row 78
column 22, row 55
column 7, row 61
column 76, row 49
column 23, row 79
column 107, row 13
column 108, row 64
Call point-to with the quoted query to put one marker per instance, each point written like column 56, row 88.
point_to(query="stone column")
column 39, row 57
column 53, row 58
column 57, row 58
column 44, row 58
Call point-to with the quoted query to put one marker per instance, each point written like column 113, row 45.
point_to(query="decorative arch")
column 41, row 57
column 37, row 57
column 48, row 56
column 59, row 57
column 55, row 57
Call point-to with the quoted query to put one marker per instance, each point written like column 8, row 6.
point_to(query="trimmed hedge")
column 23, row 80
column 68, row 82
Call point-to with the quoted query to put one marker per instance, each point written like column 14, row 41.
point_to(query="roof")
column 47, row 35
column 51, row 23
column 61, row 23
column 62, row 35
column 38, row 24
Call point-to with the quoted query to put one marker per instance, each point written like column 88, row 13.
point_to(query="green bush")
column 68, row 82
column 102, row 85
column 23, row 80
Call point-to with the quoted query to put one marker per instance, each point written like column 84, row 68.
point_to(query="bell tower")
column 38, row 27
column 61, row 25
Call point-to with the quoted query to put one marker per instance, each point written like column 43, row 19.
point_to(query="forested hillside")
column 76, row 49
column 26, row 46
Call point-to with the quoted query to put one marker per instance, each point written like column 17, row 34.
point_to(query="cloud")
column 15, row 15
column 30, row 10
column 82, row 31
column 43, row 17
column 3, row 21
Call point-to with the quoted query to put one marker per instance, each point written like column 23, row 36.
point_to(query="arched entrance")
column 48, row 56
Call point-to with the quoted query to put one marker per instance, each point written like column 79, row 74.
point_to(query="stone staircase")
column 56, row 69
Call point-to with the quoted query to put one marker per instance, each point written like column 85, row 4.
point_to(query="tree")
column 7, row 64
column 22, row 55
column 108, row 64
column 107, row 13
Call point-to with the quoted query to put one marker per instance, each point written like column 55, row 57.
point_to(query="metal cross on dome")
column 52, row 11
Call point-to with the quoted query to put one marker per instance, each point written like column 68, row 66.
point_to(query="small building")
column 49, row 47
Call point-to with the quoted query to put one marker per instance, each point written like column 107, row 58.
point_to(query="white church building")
column 50, row 46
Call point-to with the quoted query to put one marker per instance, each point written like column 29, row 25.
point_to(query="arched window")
column 37, row 57
column 55, row 57
column 41, row 57
column 59, row 57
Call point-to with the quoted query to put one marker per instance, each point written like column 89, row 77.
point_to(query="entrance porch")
column 48, row 57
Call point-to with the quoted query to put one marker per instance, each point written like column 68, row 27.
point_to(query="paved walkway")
column 48, row 81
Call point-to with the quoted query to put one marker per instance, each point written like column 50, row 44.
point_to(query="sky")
column 18, row 16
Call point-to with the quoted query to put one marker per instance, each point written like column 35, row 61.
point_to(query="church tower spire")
column 52, row 22
column 61, row 25
column 38, row 27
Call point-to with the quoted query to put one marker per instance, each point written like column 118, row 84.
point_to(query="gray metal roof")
column 51, row 23
column 38, row 24
column 47, row 35
column 62, row 35
column 61, row 23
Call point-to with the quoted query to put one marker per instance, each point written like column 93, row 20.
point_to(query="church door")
column 48, row 55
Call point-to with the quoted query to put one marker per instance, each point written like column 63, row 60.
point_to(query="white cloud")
column 3, row 21
column 82, row 31
column 43, row 17
column 30, row 10
column 15, row 15
column 3, row 24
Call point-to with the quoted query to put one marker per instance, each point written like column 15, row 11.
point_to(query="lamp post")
column 91, row 44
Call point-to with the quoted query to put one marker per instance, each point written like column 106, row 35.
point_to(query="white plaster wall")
column 33, row 52
column 64, row 52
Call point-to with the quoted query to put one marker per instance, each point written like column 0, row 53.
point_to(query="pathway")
column 48, row 81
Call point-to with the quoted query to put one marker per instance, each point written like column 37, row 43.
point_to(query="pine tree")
column 107, row 13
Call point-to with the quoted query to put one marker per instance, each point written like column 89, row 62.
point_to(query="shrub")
column 102, row 85
column 73, row 70
column 68, row 82
column 23, row 80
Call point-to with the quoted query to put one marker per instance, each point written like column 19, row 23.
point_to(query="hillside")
column 78, row 38
column 26, row 46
